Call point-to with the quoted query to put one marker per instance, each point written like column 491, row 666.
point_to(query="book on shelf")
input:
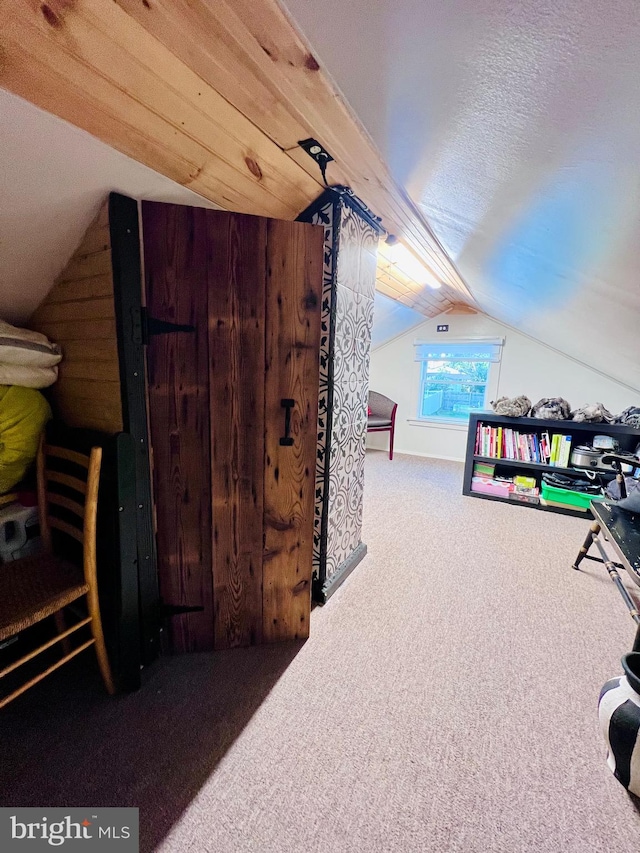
column 506, row 443
column 560, row 450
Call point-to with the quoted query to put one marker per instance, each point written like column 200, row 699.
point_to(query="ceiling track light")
column 409, row 264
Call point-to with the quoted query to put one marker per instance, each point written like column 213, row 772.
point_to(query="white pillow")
column 26, row 348
column 27, row 376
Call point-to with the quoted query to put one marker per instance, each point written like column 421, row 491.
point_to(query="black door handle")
column 287, row 404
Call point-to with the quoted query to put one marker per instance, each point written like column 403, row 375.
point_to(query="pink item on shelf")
column 487, row 486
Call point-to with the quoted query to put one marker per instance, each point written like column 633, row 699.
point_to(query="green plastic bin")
column 566, row 496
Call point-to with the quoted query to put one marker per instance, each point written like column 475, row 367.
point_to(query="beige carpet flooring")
column 447, row 701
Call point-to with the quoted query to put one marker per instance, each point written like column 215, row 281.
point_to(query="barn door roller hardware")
column 318, row 153
column 145, row 326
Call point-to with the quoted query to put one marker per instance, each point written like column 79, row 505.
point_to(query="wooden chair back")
column 76, row 494
column 35, row 587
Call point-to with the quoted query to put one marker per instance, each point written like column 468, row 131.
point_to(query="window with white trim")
column 454, row 378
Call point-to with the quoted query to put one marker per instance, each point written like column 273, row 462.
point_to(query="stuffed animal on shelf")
column 594, row 413
column 552, row 409
column 512, row 407
column 630, row 417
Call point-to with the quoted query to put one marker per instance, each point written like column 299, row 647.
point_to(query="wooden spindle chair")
column 36, row 587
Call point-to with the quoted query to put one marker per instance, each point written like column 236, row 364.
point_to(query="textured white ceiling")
column 53, row 180
column 392, row 318
column 516, row 125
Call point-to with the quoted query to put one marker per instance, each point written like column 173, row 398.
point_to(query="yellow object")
column 23, row 415
column 525, row 482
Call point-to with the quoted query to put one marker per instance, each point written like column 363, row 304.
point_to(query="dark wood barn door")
column 232, row 407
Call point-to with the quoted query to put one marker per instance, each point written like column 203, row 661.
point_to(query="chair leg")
column 593, row 532
column 61, row 626
column 98, row 636
column 391, row 431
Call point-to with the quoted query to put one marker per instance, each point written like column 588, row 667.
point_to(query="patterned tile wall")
column 353, row 302
column 347, row 317
column 325, row 217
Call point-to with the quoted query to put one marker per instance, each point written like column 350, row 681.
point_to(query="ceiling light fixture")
column 410, row 265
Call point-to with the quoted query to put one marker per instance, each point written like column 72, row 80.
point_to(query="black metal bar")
column 612, row 568
column 129, row 627
column 127, row 283
column 601, row 561
column 287, row 404
column 323, row 590
column 327, row 211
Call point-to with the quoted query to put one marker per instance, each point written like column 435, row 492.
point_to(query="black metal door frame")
column 127, row 285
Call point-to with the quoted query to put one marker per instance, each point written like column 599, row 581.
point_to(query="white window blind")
column 463, row 351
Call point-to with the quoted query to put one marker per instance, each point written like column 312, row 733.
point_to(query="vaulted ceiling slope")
column 215, row 94
column 515, row 124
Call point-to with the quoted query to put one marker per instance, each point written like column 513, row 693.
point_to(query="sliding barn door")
column 233, row 393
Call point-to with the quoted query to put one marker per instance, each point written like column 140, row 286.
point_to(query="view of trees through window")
column 452, row 388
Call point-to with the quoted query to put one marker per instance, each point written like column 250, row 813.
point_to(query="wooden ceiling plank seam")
column 110, row 20
column 118, row 103
column 378, row 165
column 407, row 299
column 60, row 94
column 177, row 24
column 291, row 70
column 419, row 303
column 416, row 306
column 265, row 46
column 101, row 124
column 392, row 284
column 384, row 288
column 437, row 261
column 223, row 16
column 436, row 297
column 88, row 52
column 219, row 22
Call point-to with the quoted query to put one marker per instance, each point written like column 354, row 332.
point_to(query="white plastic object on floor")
column 19, row 534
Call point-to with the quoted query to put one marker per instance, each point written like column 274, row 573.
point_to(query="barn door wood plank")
column 237, row 255
column 175, row 254
column 294, row 288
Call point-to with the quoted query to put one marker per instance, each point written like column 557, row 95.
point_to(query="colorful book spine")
column 506, row 443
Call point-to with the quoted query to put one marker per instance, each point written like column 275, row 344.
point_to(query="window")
column 454, row 378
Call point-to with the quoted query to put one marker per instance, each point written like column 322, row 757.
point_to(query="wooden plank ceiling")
column 214, row 94
column 394, row 283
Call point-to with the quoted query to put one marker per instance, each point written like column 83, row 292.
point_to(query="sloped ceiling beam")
column 214, row 94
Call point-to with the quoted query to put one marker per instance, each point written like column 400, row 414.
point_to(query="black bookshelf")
column 627, row 438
